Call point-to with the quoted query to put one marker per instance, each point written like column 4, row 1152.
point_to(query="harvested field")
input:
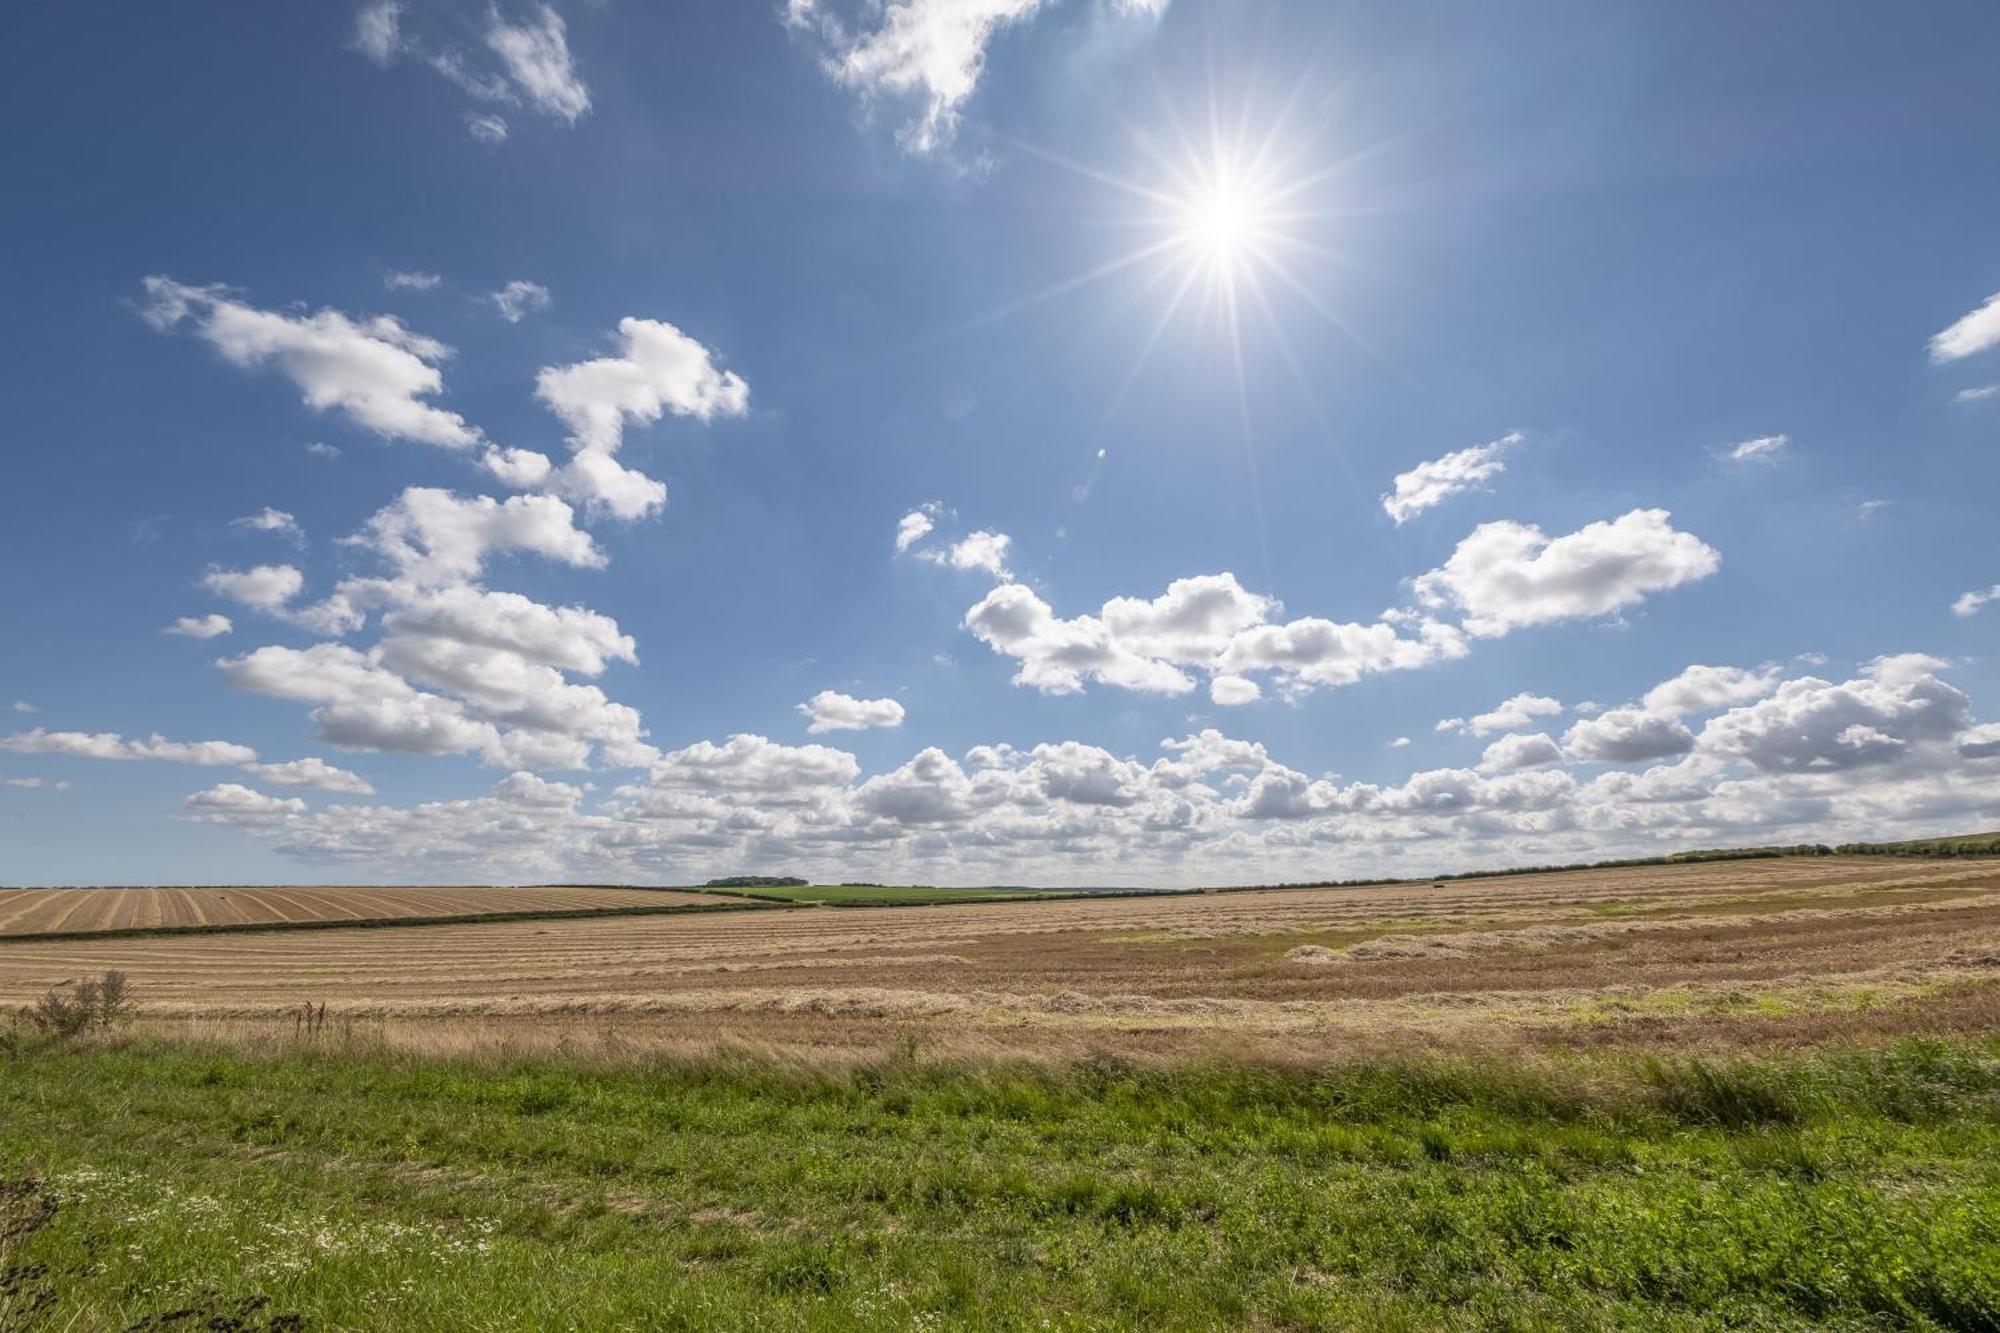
column 1792, row 949
column 66, row 911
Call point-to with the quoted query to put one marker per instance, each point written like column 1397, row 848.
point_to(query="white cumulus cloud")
column 1433, row 482
column 1517, row 753
column 914, row 526
column 1507, row 575
column 264, row 588
column 657, row 370
column 373, row 370
column 1969, row 603
column 536, row 56
column 519, row 299
column 1970, row 334
column 314, row 773
column 1763, row 449
column 110, row 745
column 274, row 521
column 1508, row 715
column 830, row 710
column 210, row 626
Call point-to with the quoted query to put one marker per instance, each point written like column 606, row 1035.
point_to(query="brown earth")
column 1728, row 953
column 47, row 911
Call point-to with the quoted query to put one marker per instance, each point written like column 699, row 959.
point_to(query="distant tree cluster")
column 757, row 882
column 1979, row 844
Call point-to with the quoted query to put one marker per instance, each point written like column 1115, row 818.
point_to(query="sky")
column 991, row 441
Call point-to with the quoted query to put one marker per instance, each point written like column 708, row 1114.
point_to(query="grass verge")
column 342, row 1186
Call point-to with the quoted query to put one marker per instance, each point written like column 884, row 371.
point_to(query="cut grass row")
column 374, row 923
column 359, row 1189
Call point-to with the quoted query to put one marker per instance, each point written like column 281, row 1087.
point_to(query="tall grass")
column 355, row 1187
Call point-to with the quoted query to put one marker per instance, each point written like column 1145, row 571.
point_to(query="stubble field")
column 1790, row 948
column 64, row 911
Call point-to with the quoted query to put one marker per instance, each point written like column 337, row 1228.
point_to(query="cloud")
column 1763, row 449
column 373, row 370
column 458, row 669
column 1057, row 656
column 537, row 59
column 23, row 706
column 658, row 370
column 753, row 767
column 1867, row 509
column 274, row 521
column 568, row 638
column 397, row 281
column 110, row 745
column 486, row 127
column 433, row 536
column 1971, row 334
column 1628, row 735
column 326, row 451
column 234, row 803
column 1518, row 753
column 1969, row 603
column 361, row 704
column 1976, row 395
column 1210, row 623
column 1432, row 482
column 531, row 62
column 1653, row 729
column 1503, row 576
column 200, row 627
column 378, row 31
column 1314, row 651
column 831, row 710
column 1196, row 620
column 519, row 299
column 314, row 773
column 1234, row 691
column 547, row 721
column 1400, row 743
column 983, row 552
column 1207, row 809
column 914, row 526
column 1703, row 689
column 265, row 588
column 1812, row 725
column 1508, row 575
column 1509, row 715
column 931, row 50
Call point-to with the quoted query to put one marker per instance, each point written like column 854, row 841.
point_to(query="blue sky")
column 1611, row 379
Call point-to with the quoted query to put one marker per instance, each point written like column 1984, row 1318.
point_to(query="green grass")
column 885, row 895
column 362, row 1189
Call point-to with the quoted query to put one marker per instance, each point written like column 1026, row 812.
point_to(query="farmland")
column 1736, row 1094
column 1787, row 947
column 75, row 911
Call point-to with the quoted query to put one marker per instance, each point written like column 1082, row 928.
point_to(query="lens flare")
column 1222, row 222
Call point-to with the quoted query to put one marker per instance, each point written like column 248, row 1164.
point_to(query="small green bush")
column 83, row 1006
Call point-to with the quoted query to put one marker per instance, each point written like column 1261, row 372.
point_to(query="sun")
column 1224, row 219
column 1221, row 223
